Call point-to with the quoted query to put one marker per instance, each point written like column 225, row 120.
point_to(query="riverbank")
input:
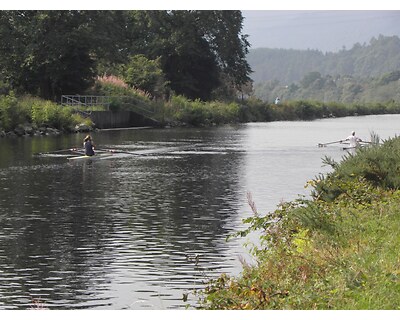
column 27, row 116
column 336, row 251
column 31, row 116
column 196, row 113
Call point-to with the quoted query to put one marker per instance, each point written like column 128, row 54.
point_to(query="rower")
column 353, row 140
column 88, row 146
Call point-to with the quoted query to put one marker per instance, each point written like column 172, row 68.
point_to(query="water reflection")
column 139, row 231
column 116, row 234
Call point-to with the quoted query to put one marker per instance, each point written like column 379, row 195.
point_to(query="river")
column 140, row 231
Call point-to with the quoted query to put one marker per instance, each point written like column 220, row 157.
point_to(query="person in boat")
column 88, row 146
column 353, row 140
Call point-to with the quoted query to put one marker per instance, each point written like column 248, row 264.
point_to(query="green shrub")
column 337, row 253
column 115, row 105
column 377, row 164
column 319, row 255
column 46, row 113
column 13, row 112
column 6, row 104
column 198, row 113
column 79, row 119
column 254, row 110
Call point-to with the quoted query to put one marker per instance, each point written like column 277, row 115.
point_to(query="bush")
column 47, row 113
column 79, row 119
column 317, row 254
column 19, row 111
column 13, row 112
column 146, row 75
column 253, row 110
column 198, row 113
column 379, row 165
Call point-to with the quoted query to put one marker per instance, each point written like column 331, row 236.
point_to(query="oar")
column 140, row 152
column 57, row 151
column 325, row 144
column 116, row 151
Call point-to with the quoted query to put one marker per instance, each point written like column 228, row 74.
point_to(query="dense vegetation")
column 34, row 113
column 198, row 54
column 182, row 67
column 365, row 73
column 178, row 110
column 381, row 55
column 345, row 89
column 337, row 250
column 183, row 111
column 147, row 60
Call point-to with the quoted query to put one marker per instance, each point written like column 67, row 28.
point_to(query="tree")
column 50, row 53
column 46, row 52
column 195, row 48
column 222, row 29
column 146, row 75
column 310, row 78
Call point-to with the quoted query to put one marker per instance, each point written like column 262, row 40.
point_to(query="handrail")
column 94, row 100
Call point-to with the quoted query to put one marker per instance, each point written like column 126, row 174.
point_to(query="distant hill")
column 325, row 30
column 381, row 55
column 365, row 73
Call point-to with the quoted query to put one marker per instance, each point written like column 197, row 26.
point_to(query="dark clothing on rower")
column 88, row 148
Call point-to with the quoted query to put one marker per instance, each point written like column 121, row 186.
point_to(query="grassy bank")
column 175, row 111
column 257, row 110
column 18, row 113
column 338, row 250
column 196, row 113
column 178, row 110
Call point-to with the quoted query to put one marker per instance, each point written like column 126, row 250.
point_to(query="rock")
column 42, row 130
column 19, row 130
column 11, row 134
column 29, row 129
column 53, row 131
column 82, row 128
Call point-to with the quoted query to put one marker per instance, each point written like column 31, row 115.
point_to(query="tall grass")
column 125, row 97
column 380, row 165
column 201, row 113
column 335, row 253
column 257, row 110
column 111, row 85
column 198, row 113
column 34, row 111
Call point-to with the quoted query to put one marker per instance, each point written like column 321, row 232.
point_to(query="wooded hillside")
column 381, row 55
column 365, row 73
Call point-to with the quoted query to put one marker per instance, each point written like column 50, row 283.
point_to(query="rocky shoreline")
column 28, row 130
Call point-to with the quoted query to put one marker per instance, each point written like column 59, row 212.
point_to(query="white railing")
column 84, row 103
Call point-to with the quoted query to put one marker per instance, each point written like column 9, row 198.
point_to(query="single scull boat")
column 97, row 156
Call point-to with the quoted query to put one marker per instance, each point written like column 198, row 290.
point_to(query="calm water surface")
column 123, row 233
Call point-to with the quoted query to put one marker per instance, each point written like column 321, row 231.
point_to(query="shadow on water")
column 140, row 230
column 135, row 232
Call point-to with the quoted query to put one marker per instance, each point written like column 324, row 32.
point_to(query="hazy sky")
column 283, row 24
column 326, row 30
